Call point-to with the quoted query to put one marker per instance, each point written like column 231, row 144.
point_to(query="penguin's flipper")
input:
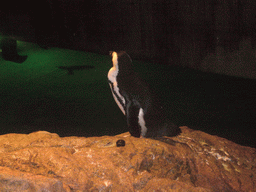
column 132, row 116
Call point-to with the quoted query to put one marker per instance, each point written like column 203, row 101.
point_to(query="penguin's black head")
column 121, row 60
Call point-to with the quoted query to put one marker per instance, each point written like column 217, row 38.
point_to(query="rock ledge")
column 192, row 161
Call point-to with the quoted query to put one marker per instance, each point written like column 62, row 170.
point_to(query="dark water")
column 216, row 104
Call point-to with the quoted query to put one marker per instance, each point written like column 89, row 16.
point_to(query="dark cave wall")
column 176, row 32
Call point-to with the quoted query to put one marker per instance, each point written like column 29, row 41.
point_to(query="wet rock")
column 9, row 51
column 192, row 161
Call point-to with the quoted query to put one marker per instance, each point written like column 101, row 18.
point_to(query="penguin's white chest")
column 119, row 99
column 142, row 123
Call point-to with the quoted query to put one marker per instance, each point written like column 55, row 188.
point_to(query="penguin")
column 144, row 114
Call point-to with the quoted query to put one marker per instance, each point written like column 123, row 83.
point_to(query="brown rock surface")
column 192, row 161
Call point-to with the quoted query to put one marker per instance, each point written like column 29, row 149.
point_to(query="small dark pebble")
column 120, row 143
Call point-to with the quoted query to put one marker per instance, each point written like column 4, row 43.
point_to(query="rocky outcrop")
column 240, row 63
column 192, row 161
